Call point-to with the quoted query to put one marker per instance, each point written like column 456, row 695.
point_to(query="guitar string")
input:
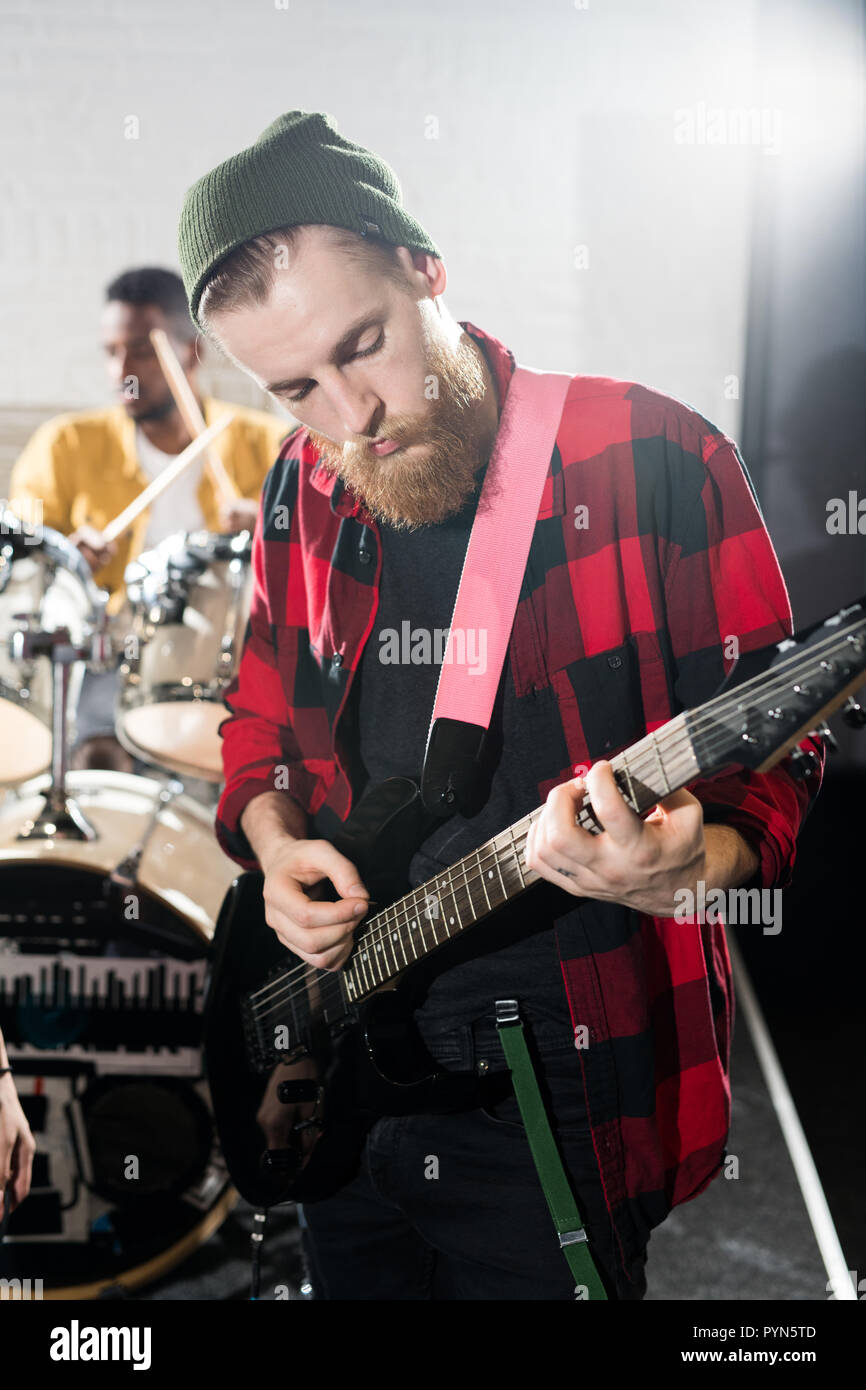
column 484, row 855
column 378, row 931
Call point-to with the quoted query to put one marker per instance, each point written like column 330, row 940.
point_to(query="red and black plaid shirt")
column 627, row 610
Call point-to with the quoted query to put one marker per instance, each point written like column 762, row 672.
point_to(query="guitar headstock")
column 776, row 696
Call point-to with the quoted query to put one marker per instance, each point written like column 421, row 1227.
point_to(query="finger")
column 681, row 800
column 340, row 870
column 558, row 838
column 312, row 940
column 679, row 814
column 310, row 861
column 322, row 960
column 287, row 903
column 610, row 807
column 22, row 1164
column 552, row 865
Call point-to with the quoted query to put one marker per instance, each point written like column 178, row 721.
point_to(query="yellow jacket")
column 82, row 468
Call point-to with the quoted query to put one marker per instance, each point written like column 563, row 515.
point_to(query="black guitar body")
column 352, row 1064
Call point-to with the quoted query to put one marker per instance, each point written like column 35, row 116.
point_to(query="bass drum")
column 104, row 949
column 188, row 601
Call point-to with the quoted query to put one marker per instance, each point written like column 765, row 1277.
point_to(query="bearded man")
column 301, row 262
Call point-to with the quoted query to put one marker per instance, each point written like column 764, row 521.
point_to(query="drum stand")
column 61, row 818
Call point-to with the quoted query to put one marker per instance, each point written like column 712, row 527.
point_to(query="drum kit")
column 110, row 888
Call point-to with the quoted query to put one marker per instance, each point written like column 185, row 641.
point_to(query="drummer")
column 83, row 468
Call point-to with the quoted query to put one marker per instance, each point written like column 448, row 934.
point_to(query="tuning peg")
column 826, row 733
column 854, row 714
column 803, row 764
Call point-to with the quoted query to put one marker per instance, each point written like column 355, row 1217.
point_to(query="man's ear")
column 440, row 276
column 424, row 271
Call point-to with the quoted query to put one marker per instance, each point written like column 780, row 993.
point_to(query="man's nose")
column 358, row 411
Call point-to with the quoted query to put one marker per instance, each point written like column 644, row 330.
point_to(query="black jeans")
column 451, row 1207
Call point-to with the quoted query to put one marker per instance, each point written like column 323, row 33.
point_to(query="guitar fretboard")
column 495, row 873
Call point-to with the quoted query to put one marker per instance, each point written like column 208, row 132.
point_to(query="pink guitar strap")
column 493, row 567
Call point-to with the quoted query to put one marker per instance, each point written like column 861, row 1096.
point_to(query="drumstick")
column 190, row 413
column 192, row 451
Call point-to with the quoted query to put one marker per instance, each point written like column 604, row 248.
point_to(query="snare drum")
column 102, row 984
column 188, row 601
column 50, row 588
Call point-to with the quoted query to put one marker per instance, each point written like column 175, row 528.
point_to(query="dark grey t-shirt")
column 514, row 952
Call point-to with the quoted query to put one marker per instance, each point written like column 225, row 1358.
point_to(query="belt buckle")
column 507, row 1013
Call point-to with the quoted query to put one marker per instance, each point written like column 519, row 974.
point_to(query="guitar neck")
column 494, row 873
column 750, row 724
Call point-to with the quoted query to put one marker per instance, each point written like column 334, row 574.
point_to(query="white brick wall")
column 555, row 129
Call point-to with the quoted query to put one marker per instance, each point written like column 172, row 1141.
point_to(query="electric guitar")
column 282, row 1037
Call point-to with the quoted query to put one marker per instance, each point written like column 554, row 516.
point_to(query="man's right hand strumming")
column 321, row 933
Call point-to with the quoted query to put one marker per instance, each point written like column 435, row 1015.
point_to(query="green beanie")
column 300, row 170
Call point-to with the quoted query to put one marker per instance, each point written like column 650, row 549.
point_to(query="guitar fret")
column 442, row 907
column 391, row 938
column 412, row 923
column 390, row 962
column 496, row 861
column 449, row 918
column 362, row 970
column 516, row 856
column 630, row 785
column 481, row 876
column 431, row 910
column 468, row 891
column 487, row 875
column 375, row 955
column 658, row 755
column 368, row 967
column 456, row 907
